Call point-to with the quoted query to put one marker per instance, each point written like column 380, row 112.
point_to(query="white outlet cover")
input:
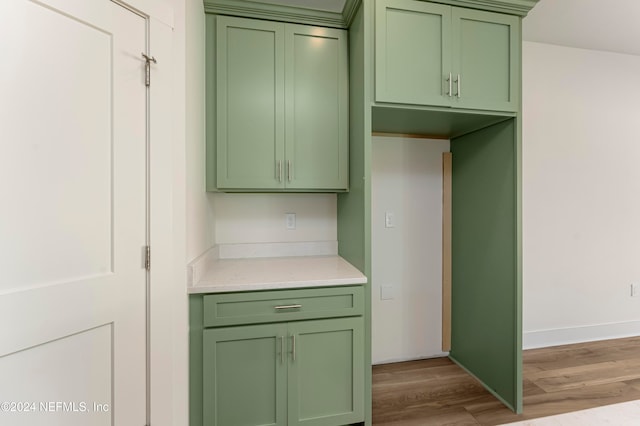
column 387, row 292
column 290, row 220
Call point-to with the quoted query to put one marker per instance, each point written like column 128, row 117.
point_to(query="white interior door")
column 72, row 213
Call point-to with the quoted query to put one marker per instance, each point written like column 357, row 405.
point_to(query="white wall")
column 260, row 218
column 581, row 194
column 407, row 181
column 200, row 221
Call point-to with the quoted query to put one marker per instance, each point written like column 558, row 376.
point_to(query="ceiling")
column 610, row 25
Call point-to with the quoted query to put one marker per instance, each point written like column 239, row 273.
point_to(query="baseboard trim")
column 406, row 359
column 588, row 333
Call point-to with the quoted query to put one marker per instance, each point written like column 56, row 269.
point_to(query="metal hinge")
column 147, row 259
column 147, row 68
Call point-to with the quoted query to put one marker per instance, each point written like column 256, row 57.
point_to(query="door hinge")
column 147, row 68
column 147, row 259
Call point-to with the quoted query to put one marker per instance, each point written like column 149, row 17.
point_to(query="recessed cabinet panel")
column 316, row 103
column 412, row 52
column 326, row 373
column 244, row 366
column 487, row 61
column 250, row 103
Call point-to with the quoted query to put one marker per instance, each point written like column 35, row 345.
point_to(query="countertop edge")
column 243, row 279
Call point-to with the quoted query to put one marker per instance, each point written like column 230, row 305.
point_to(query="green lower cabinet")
column 244, row 376
column 326, row 377
column 297, row 373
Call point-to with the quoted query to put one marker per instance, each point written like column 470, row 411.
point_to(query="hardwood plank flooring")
column 556, row 380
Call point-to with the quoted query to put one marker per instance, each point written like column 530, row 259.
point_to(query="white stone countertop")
column 226, row 275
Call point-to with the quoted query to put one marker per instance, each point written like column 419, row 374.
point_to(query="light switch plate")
column 387, row 292
column 389, row 220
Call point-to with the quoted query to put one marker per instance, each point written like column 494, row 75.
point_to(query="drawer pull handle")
column 283, row 307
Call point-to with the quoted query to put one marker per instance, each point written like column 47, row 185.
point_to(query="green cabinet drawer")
column 282, row 305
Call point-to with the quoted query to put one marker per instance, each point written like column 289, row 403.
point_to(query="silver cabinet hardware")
column 289, row 170
column 281, row 349
column 282, row 307
column 458, row 82
column 279, row 170
column 293, row 347
column 450, row 85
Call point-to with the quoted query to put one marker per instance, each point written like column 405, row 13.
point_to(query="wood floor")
column 556, row 380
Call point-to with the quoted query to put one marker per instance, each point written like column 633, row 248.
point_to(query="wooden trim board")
column 409, row 135
column 446, row 251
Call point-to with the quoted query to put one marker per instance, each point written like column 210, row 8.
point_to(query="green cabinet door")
column 485, row 63
column 326, row 372
column 244, row 375
column 412, row 52
column 250, row 103
column 317, row 102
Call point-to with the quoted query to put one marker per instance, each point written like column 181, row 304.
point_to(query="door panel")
column 486, row 325
column 317, row 99
column 412, row 52
column 250, row 104
column 72, row 170
column 486, row 59
column 245, row 367
column 327, row 375
column 64, row 365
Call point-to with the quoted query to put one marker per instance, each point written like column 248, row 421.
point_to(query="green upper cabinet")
column 250, row 103
column 486, row 60
column 413, row 52
column 439, row 55
column 317, row 108
column 281, row 106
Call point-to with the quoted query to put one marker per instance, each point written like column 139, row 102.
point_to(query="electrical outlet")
column 635, row 288
column 387, row 292
column 290, row 220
